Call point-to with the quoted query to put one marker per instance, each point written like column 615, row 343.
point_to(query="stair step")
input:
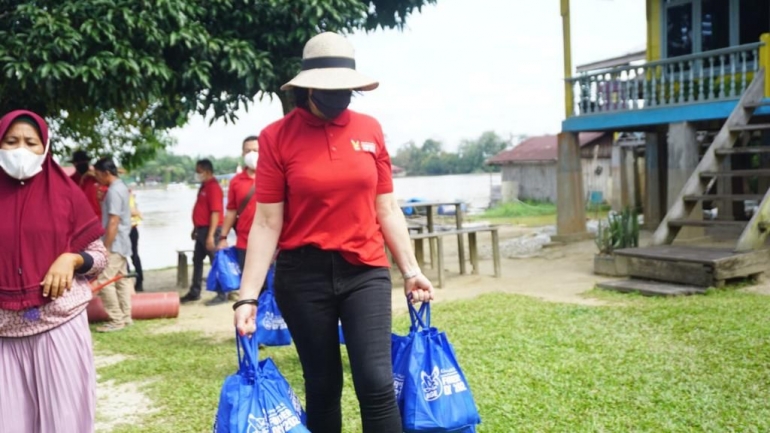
column 651, row 288
column 705, row 223
column 737, row 173
column 733, row 197
column 743, row 150
column 750, row 127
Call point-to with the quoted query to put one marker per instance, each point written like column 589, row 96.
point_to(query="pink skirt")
column 48, row 381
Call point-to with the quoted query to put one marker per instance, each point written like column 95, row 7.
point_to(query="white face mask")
column 21, row 163
column 250, row 159
column 198, row 177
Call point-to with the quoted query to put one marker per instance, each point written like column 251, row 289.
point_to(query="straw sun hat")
column 328, row 63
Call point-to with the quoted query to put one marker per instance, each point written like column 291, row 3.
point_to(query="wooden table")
column 429, row 205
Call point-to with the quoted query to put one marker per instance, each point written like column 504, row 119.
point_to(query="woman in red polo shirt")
column 325, row 199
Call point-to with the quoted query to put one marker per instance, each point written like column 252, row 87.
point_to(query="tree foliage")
column 113, row 75
column 168, row 167
column 431, row 159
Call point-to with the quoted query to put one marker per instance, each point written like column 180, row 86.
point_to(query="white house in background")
column 529, row 169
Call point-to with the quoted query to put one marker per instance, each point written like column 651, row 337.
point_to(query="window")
column 715, row 24
column 754, row 17
column 679, row 30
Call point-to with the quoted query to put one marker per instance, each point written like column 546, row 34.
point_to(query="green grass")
column 521, row 209
column 530, row 214
column 676, row 365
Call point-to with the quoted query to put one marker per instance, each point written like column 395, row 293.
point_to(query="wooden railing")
column 704, row 77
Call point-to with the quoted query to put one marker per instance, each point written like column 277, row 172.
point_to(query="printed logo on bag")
column 398, row 384
column 234, row 268
column 295, row 401
column 257, row 425
column 271, row 322
column 282, row 419
column 431, row 384
column 445, row 382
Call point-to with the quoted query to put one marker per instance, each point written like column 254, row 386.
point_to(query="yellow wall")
column 653, row 30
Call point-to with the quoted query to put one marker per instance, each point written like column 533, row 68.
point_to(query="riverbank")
column 540, row 347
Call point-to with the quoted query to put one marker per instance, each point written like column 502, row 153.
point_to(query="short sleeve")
column 112, row 202
column 384, row 168
column 231, row 197
column 215, row 197
column 271, row 177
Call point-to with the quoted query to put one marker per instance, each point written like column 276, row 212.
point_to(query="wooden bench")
column 412, row 228
column 472, row 246
column 182, row 276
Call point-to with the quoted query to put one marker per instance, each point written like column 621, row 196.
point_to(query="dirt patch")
column 556, row 274
column 118, row 403
column 763, row 288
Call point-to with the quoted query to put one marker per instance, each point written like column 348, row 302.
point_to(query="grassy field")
column 653, row 365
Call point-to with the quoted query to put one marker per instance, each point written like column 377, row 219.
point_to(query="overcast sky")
column 461, row 67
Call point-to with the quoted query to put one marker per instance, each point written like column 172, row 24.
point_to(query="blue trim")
column 628, row 120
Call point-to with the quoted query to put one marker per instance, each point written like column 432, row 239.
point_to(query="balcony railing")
column 704, row 77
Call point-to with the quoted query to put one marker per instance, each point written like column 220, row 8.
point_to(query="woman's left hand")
column 420, row 289
column 59, row 276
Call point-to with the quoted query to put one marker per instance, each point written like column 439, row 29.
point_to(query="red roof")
column 539, row 149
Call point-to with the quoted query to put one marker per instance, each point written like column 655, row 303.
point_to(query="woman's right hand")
column 246, row 319
column 222, row 245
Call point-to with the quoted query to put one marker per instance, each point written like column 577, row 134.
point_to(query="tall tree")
column 112, row 75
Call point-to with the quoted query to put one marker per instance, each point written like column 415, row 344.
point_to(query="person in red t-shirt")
column 207, row 223
column 325, row 198
column 84, row 178
column 241, row 202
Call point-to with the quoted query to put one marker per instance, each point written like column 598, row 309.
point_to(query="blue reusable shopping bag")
column 433, row 392
column 398, row 346
column 341, row 334
column 228, row 269
column 257, row 399
column 212, row 280
column 271, row 328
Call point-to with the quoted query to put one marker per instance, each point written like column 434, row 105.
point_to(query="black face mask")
column 331, row 103
column 81, row 168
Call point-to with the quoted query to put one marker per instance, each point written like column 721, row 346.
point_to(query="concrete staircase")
column 668, row 269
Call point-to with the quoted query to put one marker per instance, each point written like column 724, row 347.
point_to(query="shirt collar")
column 313, row 120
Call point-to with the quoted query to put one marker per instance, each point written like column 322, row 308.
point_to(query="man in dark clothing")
column 207, row 223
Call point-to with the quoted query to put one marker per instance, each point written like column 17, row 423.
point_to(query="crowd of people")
column 315, row 201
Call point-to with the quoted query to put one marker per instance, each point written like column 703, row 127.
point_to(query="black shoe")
column 220, row 299
column 138, row 289
column 190, row 297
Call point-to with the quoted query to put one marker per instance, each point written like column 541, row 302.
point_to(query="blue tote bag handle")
column 248, row 354
column 420, row 318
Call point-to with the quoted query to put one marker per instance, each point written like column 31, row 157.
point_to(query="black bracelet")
column 88, row 263
column 244, row 302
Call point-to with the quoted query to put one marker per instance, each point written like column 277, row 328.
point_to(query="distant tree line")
column 431, row 159
column 167, row 167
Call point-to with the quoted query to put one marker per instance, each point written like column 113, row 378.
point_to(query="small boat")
column 408, row 210
column 450, row 210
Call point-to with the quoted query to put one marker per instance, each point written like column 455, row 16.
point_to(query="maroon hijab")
column 42, row 218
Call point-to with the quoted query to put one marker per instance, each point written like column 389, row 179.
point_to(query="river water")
column 168, row 213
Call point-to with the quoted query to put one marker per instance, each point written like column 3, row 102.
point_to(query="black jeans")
column 135, row 260
column 199, row 255
column 314, row 289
